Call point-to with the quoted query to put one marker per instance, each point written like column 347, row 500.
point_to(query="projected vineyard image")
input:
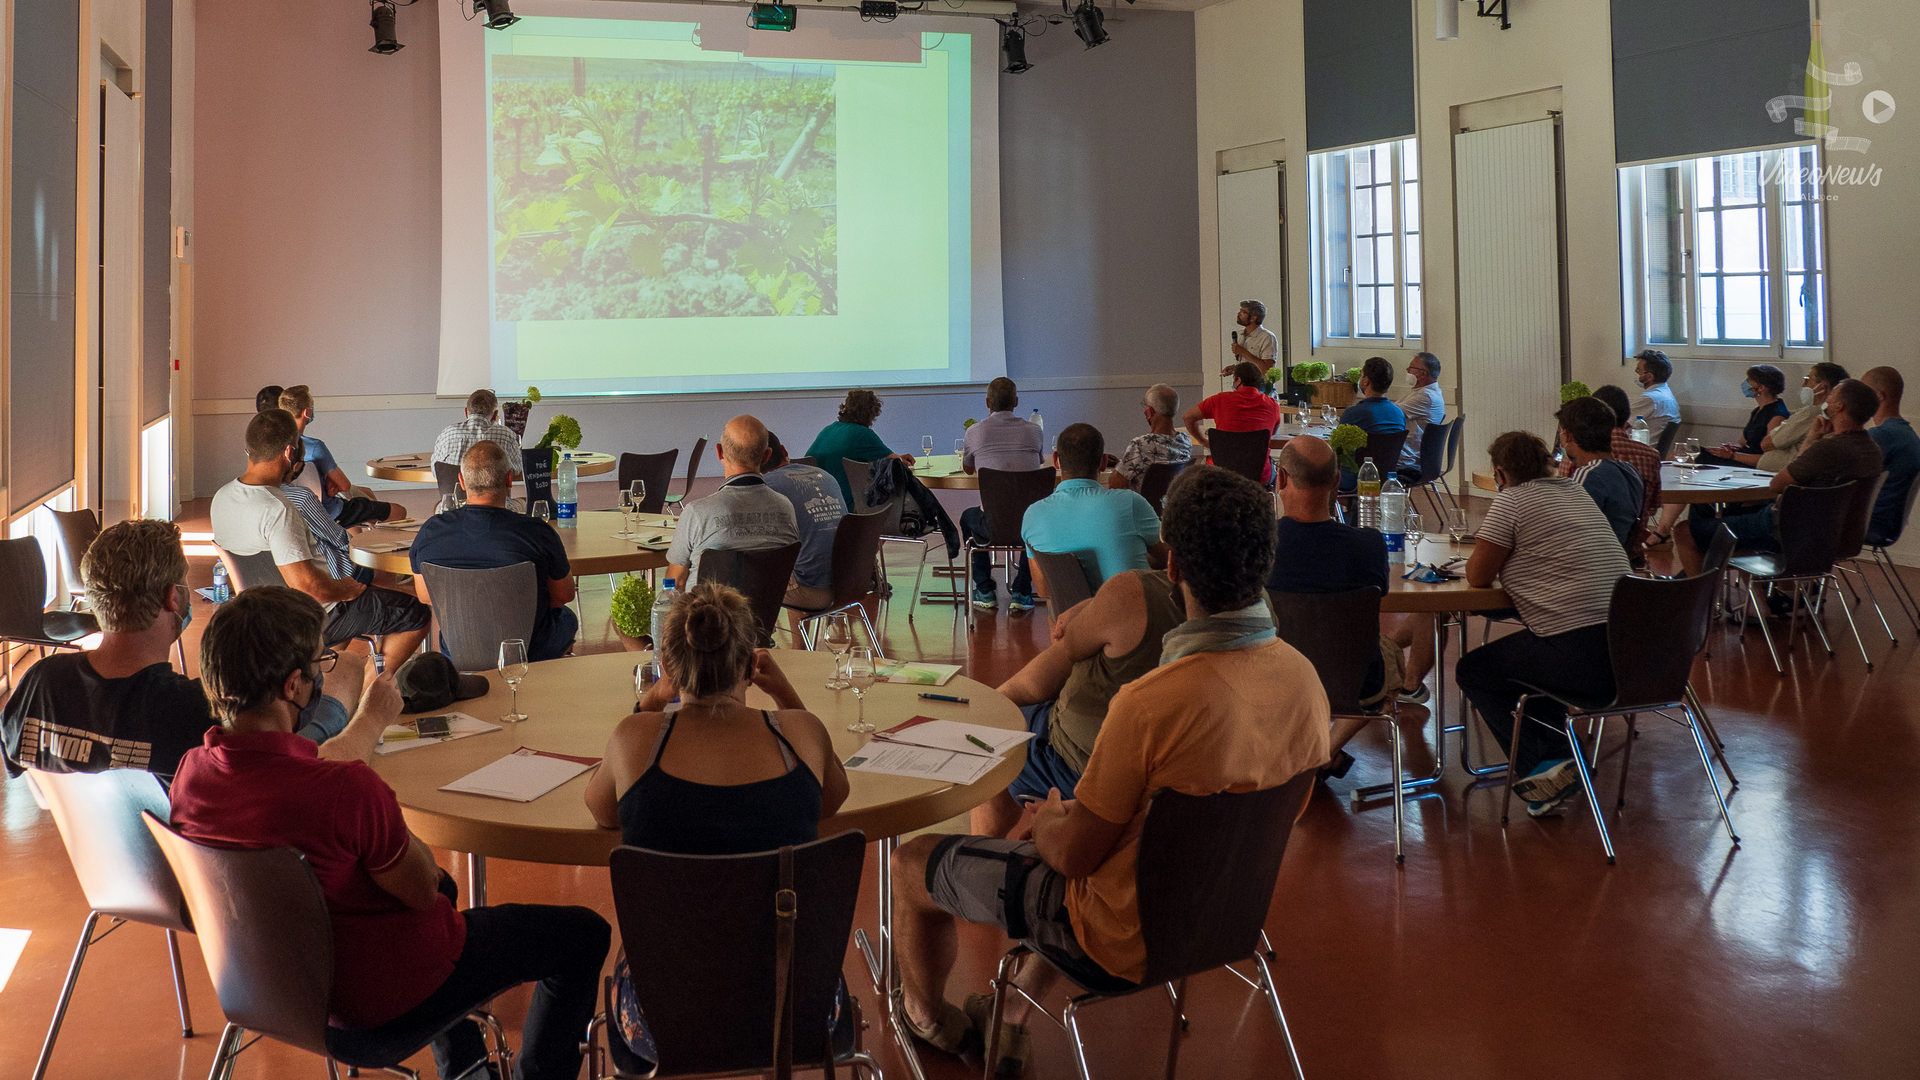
column 651, row 189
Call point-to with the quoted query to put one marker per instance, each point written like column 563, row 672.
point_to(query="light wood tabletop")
column 1406, row 595
column 573, row 704
column 418, row 468
column 591, row 545
column 944, row 471
column 1689, row 484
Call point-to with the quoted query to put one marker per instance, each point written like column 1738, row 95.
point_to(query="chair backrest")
column 1663, row 442
column 1433, row 453
column 856, row 545
column 1809, row 525
column 447, row 477
column 1384, row 449
column 1719, row 550
column 693, row 465
column 1453, row 439
column 262, row 925
column 1206, row 871
column 1158, row 478
column 1066, row 579
column 23, row 589
column 1244, row 452
column 805, row 461
column 1338, row 633
column 859, row 474
column 479, row 609
column 121, row 869
column 655, row 470
column 700, row 937
column 1913, row 490
column 1005, row 496
column 1655, row 627
column 761, row 575
column 250, row 570
column 78, row 528
column 1859, row 515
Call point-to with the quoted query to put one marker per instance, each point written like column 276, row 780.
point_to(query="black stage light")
column 772, row 17
column 384, row 42
column 499, row 14
column 1087, row 23
column 883, row 10
column 1015, row 44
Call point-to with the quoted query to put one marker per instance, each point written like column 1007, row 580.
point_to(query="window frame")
column 1338, row 302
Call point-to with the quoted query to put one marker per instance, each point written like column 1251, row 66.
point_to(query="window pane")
column 1710, row 314
column 1362, row 166
column 1704, row 185
column 1365, row 320
column 1414, row 315
column 1706, row 244
column 1793, row 242
column 1384, row 298
column 1666, row 271
column 1745, row 299
column 1362, row 212
column 1410, row 159
column 1363, row 272
column 1740, row 178
column 1383, row 208
column 1806, row 304
column 1383, row 259
column 1741, row 236
column 1412, row 247
column 1410, row 208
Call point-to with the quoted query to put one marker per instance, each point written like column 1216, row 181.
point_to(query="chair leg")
column 66, row 993
column 1700, row 744
column 1586, row 785
column 179, row 985
column 1279, row 1016
column 1813, row 597
column 1866, row 583
column 1178, row 992
column 1071, row 1019
column 1399, row 792
column 1897, row 586
column 1626, row 756
column 1513, row 755
column 1009, row 967
column 1266, row 947
column 878, row 653
column 1855, row 628
column 1753, row 602
column 497, row 1035
column 223, row 1055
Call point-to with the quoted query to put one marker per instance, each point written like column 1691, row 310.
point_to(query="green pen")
column 980, row 743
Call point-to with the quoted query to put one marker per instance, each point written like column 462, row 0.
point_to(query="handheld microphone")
column 1235, row 335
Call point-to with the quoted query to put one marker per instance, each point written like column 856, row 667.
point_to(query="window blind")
column 1693, row 77
column 1359, row 57
column 156, row 226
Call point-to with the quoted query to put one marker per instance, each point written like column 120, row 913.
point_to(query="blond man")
column 344, row 503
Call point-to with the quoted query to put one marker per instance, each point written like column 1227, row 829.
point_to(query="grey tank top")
column 1082, row 704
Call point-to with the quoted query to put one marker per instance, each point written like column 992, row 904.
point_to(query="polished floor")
column 1493, row 952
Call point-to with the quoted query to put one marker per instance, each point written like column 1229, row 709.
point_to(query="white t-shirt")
column 1423, row 406
column 249, row 519
column 1565, row 554
column 1260, row 341
column 1657, row 406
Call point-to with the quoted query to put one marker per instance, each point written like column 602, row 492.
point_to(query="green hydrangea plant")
column 1312, row 371
column 1353, row 375
column 1575, row 389
column 1346, row 440
column 633, row 606
column 562, row 431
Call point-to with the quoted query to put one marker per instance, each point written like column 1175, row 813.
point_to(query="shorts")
column 1045, row 767
column 969, row 877
column 375, row 611
column 360, row 511
column 363, row 574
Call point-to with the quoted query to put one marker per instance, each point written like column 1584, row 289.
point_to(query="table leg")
column 476, row 880
column 1466, row 712
column 883, row 968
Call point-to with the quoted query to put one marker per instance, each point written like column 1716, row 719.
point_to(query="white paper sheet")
column 462, row 725
column 898, row 759
column 952, row 735
column 521, row 776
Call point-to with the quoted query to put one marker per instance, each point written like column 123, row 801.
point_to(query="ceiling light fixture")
column 1014, row 43
column 1088, row 23
column 772, row 17
column 499, row 14
column 384, row 41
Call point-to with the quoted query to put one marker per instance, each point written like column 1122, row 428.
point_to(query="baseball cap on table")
column 430, row 681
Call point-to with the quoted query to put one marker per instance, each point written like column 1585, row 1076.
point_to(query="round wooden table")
column 591, row 546
column 573, row 704
column 418, row 468
column 1691, row 484
column 1406, row 595
column 944, row 471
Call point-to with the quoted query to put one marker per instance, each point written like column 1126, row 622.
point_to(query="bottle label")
column 1396, row 547
column 567, row 511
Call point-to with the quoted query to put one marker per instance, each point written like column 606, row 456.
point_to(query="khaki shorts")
column 968, row 877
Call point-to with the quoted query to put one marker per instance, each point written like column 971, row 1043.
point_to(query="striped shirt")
column 456, row 439
column 1564, row 558
column 328, row 537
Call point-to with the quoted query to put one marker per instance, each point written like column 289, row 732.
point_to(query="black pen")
column 944, row 697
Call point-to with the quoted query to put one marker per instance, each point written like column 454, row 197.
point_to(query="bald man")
column 744, row 515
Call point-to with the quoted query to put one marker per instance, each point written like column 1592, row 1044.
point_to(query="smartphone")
column 434, row 727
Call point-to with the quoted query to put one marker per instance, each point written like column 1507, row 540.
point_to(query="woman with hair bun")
column 714, row 777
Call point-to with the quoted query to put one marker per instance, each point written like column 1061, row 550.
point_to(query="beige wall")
column 1251, row 82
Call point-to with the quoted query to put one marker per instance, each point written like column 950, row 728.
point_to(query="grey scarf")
column 1240, row 629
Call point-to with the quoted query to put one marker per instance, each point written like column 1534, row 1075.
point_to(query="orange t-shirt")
column 1233, row 720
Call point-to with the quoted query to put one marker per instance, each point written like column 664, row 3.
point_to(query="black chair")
column 1655, row 627
column 856, row 543
column 859, row 473
column 702, row 937
column 1158, row 478
column 1663, row 442
column 1853, row 542
column 654, row 470
column 264, row 931
column 1808, row 523
column 120, row 868
column 447, row 477
column 693, row 471
column 1453, row 455
column 479, row 609
column 1878, row 545
column 1433, row 466
column 78, row 530
column 1339, row 634
column 761, row 575
column 1066, row 580
column 24, row 618
column 1004, row 498
column 1245, row 452
column 1384, row 449
column 1205, row 877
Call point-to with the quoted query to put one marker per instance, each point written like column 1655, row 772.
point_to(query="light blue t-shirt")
column 320, row 462
column 817, row 509
column 1108, row 531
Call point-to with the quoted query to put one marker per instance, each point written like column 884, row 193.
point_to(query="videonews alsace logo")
column 1877, row 107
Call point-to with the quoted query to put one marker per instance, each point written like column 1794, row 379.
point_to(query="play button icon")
column 1878, row 107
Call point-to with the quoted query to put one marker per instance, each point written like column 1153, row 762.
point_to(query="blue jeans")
column 552, row 641
column 1751, row 532
column 973, row 525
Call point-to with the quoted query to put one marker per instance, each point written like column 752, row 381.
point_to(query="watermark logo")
column 1815, row 120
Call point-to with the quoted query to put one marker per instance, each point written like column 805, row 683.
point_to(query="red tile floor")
column 1493, row 951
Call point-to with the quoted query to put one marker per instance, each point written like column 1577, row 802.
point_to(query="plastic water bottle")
column 566, row 493
column 1637, row 429
column 1036, row 421
column 662, row 601
column 1368, row 489
column 1393, row 520
column 221, row 592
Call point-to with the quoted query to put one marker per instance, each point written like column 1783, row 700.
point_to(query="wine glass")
column 1416, row 532
column 447, row 502
column 542, row 511
column 636, row 494
column 860, row 676
column 926, row 446
column 1456, row 523
column 959, row 448
column 513, row 668
column 838, row 637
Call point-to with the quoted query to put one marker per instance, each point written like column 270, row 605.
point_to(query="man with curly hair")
column 1230, row 708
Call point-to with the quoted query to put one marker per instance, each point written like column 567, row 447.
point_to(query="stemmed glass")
column 1416, row 532
column 513, row 668
column 860, row 676
column 631, row 499
column 838, row 637
column 542, row 511
column 959, row 448
column 1456, row 523
column 926, row 446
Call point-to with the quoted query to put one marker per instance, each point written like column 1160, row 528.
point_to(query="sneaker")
column 1019, row 602
column 1548, row 781
column 1554, row 806
column 1419, row 695
column 985, row 601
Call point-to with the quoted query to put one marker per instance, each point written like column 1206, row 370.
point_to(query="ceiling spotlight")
column 772, row 17
column 1015, row 44
column 499, row 14
column 384, row 42
column 1088, row 24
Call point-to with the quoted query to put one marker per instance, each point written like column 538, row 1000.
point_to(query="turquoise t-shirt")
column 1108, row 531
column 840, row 440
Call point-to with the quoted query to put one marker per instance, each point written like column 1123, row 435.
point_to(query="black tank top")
column 665, row 813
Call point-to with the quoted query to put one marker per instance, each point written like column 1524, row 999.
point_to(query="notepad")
column 403, row 523
column 404, row 738
column 952, row 735
column 898, row 759
column 522, row 776
column 387, row 546
column 916, row 674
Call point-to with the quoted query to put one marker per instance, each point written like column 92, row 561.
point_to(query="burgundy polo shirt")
column 273, row 790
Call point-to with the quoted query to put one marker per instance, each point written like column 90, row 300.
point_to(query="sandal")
column 954, row 1033
column 1659, row 540
column 1015, row 1044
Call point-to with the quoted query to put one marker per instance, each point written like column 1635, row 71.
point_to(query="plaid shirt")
column 1644, row 460
column 456, row 439
column 327, row 534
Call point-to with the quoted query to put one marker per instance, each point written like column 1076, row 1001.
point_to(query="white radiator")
column 1506, row 228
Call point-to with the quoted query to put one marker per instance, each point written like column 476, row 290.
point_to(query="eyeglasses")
column 326, row 660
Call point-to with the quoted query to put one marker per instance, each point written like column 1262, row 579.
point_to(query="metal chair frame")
column 851, row 553
column 1011, row 493
column 1434, row 442
column 29, row 592
column 858, row 473
column 1896, row 585
column 1806, row 559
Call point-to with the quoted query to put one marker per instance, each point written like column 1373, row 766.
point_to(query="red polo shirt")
column 273, row 790
column 1243, row 409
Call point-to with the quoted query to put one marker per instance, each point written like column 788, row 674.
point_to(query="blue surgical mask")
column 1746, row 389
column 186, row 611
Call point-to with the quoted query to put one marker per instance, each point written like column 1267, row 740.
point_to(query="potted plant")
column 1346, row 440
column 514, row 413
column 562, row 431
column 1575, row 389
column 1309, row 375
column 633, row 613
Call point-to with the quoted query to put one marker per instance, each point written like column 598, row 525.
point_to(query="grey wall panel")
column 1693, row 77
column 156, row 223
column 1359, row 57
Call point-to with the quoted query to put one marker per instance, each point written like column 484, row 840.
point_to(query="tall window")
column 1724, row 252
column 1365, row 208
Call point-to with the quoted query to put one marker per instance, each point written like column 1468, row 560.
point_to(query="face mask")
column 1746, row 389
column 1412, row 379
column 186, row 612
column 1823, row 411
column 1806, row 395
